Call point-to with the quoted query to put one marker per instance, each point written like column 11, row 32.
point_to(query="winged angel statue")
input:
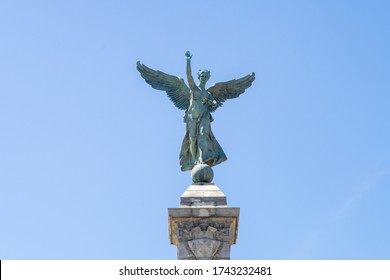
column 199, row 144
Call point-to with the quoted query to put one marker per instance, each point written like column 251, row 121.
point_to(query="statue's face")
column 203, row 75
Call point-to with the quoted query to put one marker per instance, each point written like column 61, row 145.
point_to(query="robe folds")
column 211, row 152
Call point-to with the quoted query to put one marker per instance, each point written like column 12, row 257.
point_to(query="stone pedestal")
column 203, row 227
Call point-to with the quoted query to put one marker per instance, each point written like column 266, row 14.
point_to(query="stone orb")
column 202, row 173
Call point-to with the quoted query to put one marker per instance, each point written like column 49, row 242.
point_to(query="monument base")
column 203, row 227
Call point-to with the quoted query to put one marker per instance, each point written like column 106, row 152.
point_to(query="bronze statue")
column 199, row 144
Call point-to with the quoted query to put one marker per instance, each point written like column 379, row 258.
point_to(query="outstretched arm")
column 190, row 79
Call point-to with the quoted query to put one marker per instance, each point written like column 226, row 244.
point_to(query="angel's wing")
column 175, row 87
column 230, row 89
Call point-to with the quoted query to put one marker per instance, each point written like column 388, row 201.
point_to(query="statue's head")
column 203, row 75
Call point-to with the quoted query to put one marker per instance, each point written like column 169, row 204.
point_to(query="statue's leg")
column 193, row 148
column 204, row 130
column 193, row 133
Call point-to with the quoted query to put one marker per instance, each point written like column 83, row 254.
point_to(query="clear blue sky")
column 89, row 151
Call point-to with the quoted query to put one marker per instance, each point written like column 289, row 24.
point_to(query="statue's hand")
column 209, row 102
column 188, row 55
column 213, row 104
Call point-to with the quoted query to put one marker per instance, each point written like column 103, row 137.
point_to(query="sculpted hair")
column 203, row 71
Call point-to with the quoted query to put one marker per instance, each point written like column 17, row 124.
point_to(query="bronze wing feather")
column 175, row 87
column 230, row 89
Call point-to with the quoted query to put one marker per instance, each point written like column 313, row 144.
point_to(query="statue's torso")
column 198, row 106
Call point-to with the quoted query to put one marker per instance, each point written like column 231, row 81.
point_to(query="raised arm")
column 190, row 79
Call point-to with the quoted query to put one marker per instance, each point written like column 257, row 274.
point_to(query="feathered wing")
column 230, row 89
column 175, row 87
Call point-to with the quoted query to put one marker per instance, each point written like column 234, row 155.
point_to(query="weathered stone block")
column 203, row 227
